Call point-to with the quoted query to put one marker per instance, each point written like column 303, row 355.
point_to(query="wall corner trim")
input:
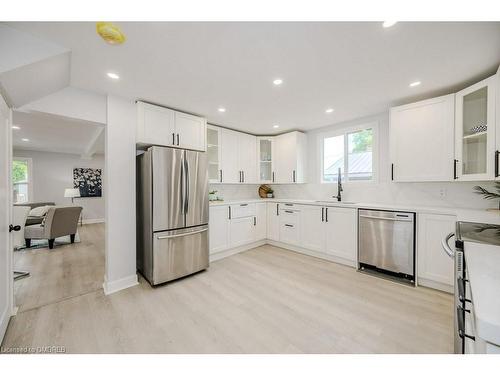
column 111, row 287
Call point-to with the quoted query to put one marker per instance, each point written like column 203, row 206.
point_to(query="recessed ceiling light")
column 416, row 83
column 25, row 140
column 278, row 81
column 276, row 126
column 113, row 75
column 329, row 110
column 388, row 24
column 222, row 109
column 15, row 127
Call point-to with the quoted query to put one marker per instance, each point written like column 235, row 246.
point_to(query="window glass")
column 20, row 179
column 360, row 155
column 333, row 158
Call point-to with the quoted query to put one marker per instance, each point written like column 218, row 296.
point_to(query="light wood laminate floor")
column 63, row 272
column 265, row 300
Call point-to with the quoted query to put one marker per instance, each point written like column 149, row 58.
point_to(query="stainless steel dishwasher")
column 386, row 243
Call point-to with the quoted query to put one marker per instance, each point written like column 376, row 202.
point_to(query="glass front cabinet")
column 475, row 131
column 265, row 154
column 214, row 154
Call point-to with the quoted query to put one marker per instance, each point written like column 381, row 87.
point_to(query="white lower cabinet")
column 433, row 264
column 218, row 229
column 312, row 229
column 289, row 226
column 241, row 231
column 260, row 221
column 273, row 221
column 341, row 233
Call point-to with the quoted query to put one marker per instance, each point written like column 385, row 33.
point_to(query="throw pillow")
column 39, row 211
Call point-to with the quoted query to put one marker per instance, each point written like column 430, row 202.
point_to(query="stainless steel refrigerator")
column 172, row 213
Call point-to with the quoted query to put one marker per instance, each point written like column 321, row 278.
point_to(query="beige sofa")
column 59, row 221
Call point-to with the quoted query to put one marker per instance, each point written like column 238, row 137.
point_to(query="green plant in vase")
column 489, row 194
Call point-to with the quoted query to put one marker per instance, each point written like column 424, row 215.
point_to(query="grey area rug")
column 40, row 244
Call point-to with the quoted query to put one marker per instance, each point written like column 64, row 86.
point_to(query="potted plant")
column 212, row 195
column 489, row 194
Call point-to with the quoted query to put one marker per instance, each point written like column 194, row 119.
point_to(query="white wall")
column 53, row 172
column 457, row 194
column 120, row 195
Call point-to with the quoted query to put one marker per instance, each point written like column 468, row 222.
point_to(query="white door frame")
column 6, row 131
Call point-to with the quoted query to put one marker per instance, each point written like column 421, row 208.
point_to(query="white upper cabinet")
column 155, row 125
column 475, row 131
column 238, row 157
column 265, row 163
column 214, row 153
column 422, row 140
column 191, row 131
column 165, row 127
column 247, row 155
column 291, row 158
column 230, row 171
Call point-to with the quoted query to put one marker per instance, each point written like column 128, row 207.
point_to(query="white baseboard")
column 313, row 253
column 4, row 322
column 436, row 285
column 117, row 285
column 92, row 221
column 235, row 250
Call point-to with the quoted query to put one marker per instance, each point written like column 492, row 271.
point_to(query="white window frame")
column 345, row 131
column 30, row 175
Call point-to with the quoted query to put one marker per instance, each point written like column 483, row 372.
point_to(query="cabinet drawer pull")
column 455, row 162
column 288, row 204
column 326, row 214
column 254, row 221
column 221, row 175
column 229, row 212
column 322, row 213
column 173, row 138
column 177, row 139
column 244, row 204
column 289, row 225
column 277, row 209
column 289, row 212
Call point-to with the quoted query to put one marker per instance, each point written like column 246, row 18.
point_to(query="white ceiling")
column 56, row 134
column 357, row 68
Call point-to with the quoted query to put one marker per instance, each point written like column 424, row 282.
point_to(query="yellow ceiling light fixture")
column 110, row 33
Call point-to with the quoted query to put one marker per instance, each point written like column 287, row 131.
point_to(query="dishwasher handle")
column 386, row 218
column 446, row 247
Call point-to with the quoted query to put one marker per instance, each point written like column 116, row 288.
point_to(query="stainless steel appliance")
column 386, row 243
column 172, row 213
column 466, row 232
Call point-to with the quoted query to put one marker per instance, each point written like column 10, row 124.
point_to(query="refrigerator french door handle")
column 497, row 155
column 173, row 138
column 177, row 139
column 186, row 200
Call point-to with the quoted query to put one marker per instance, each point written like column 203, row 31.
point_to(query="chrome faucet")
column 339, row 187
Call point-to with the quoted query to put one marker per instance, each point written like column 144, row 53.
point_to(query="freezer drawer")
column 387, row 240
column 178, row 253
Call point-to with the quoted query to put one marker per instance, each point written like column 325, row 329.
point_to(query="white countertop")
column 483, row 266
column 463, row 214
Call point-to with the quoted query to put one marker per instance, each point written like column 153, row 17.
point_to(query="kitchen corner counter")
column 483, row 265
column 462, row 214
